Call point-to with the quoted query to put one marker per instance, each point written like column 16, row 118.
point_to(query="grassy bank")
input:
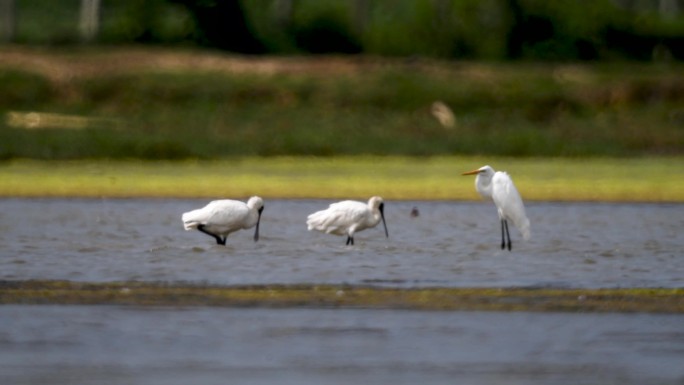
column 168, row 104
column 78, row 122
column 343, row 296
column 562, row 179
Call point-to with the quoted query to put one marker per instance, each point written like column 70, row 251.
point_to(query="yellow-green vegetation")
column 344, row 296
column 561, row 179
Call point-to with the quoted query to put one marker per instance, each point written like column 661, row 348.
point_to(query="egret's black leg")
column 350, row 240
column 219, row 240
column 503, row 235
column 508, row 235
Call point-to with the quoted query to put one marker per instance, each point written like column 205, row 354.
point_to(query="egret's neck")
column 483, row 185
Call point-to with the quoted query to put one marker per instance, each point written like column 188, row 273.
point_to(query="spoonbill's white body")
column 348, row 217
column 222, row 217
column 499, row 187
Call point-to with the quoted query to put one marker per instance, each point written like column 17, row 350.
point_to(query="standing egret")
column 499, row 187
column 222, row 217
column 348, row 217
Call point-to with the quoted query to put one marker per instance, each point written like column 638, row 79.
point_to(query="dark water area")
column 449, row 244
column 167, row 346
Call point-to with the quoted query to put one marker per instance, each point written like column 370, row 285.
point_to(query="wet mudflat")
column 450, row 244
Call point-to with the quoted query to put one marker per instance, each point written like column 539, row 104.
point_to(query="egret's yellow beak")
column 472, row 172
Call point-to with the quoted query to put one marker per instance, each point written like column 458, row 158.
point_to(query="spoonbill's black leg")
column 350, row 241
column 219, row 240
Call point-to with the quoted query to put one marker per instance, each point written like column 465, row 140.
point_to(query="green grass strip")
column 556, row 179
column 650, row 300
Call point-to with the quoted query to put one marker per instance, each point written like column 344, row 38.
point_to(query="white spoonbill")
column 348, row 217
column 499, row 187
column 222, row 217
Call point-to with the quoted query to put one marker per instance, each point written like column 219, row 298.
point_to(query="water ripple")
column 449, row 244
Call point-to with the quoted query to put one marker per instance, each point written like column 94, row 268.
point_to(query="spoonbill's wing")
column 220, row 213
column 337, row 218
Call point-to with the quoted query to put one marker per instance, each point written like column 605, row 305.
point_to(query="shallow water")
column 130, row 345
column 448, row 244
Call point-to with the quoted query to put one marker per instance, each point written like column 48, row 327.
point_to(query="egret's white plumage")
column 499, row 187
column 348, row 217
column 222, row 217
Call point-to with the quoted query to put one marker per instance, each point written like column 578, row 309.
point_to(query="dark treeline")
column 464, row 29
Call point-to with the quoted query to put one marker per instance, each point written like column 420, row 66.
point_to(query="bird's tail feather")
column 315, row 221
column 524, row 228
column 189, row 223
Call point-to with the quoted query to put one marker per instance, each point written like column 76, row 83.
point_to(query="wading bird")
column 499, row 187
column 348, row 217
column 222, row 217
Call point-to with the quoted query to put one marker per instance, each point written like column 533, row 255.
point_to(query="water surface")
column 448, row 244
column 130, row 345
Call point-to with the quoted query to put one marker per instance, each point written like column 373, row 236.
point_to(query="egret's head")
column 482, row 171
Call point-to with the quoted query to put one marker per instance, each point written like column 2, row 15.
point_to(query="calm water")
column 448, row 244
column 167, row 346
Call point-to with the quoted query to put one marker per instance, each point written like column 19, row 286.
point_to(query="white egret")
column 348, row 217
column 221, row 217
column 499, row 187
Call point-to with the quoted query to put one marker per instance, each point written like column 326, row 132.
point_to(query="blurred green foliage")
column 383, row 107
column 476, row 29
